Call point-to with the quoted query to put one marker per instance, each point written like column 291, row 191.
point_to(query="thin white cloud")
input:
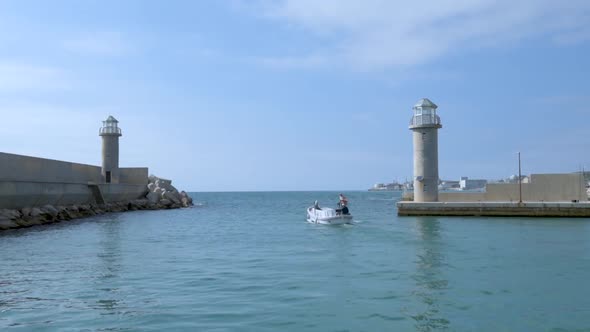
column 373, row 34
column 40, row 115
column 17, row 76
column 573, row 37
column 576, row 104
column 100, row 43
column 311, row 61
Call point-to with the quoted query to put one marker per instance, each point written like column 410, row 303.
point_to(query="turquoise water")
column 250, row 262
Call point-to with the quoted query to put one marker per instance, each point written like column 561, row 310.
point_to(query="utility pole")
column 584, row 190
column 519, row 181
column 582, row 181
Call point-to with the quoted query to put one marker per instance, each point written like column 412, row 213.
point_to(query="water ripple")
column 266, row 269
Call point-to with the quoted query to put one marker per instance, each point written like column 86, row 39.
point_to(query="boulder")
column 26, row 211
column 185, row 202
column 131, row 206
column 62, row 213
column 28, row 222
column 50, row 210
column 97, row 209
column 35, row 212
column 185, row 199
column 10, row 214
column 153, row 197
column 30, row 217
column 143, row 203
column 172, row 196
column 73, row 212
column 7, row 223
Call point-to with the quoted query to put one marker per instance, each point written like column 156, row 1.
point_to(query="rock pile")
column 162, row 193
column 48, row 214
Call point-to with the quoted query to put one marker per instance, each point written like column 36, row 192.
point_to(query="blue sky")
column 298, row 95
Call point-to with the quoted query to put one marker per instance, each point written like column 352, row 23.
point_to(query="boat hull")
column 327, row 217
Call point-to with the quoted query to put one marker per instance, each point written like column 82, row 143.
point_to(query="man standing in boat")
column 343, row 205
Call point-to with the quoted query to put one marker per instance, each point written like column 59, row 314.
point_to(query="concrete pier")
column 496, row 209
column 544, row 195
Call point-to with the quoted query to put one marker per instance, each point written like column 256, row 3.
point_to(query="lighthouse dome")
column 425, row 115
column 425, row 102
column 110, row 127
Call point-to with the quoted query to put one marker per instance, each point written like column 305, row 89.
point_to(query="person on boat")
column 316, row 205
column 343, row 205
column 343, row 210
column 343, row 201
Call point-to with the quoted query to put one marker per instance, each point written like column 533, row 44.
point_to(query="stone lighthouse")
column 424, row 125
column 110, row 133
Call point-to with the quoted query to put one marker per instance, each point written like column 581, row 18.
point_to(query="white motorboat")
column 327, row 216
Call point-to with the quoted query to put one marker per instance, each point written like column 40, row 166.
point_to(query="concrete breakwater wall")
column 15, row 195
column 37, row 191
column 29, row 181
column 162, row 195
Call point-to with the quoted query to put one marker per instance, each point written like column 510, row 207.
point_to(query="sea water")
column 250, row 262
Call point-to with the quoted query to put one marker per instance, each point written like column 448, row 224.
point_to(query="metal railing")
column 109, row 130
column 430, row 119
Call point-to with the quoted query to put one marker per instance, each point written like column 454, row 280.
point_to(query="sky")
column 237, row 95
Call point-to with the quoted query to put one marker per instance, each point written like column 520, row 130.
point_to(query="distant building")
column 448, row 185
column 565, row 187
column 378, row 186
column 514, row 179
column 470, row 184
column 394, row 186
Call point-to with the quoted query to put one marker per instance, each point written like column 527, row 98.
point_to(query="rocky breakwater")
column 161, row 195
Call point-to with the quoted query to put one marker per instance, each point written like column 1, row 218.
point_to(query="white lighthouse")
column 110, row 133
column 424, row 125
